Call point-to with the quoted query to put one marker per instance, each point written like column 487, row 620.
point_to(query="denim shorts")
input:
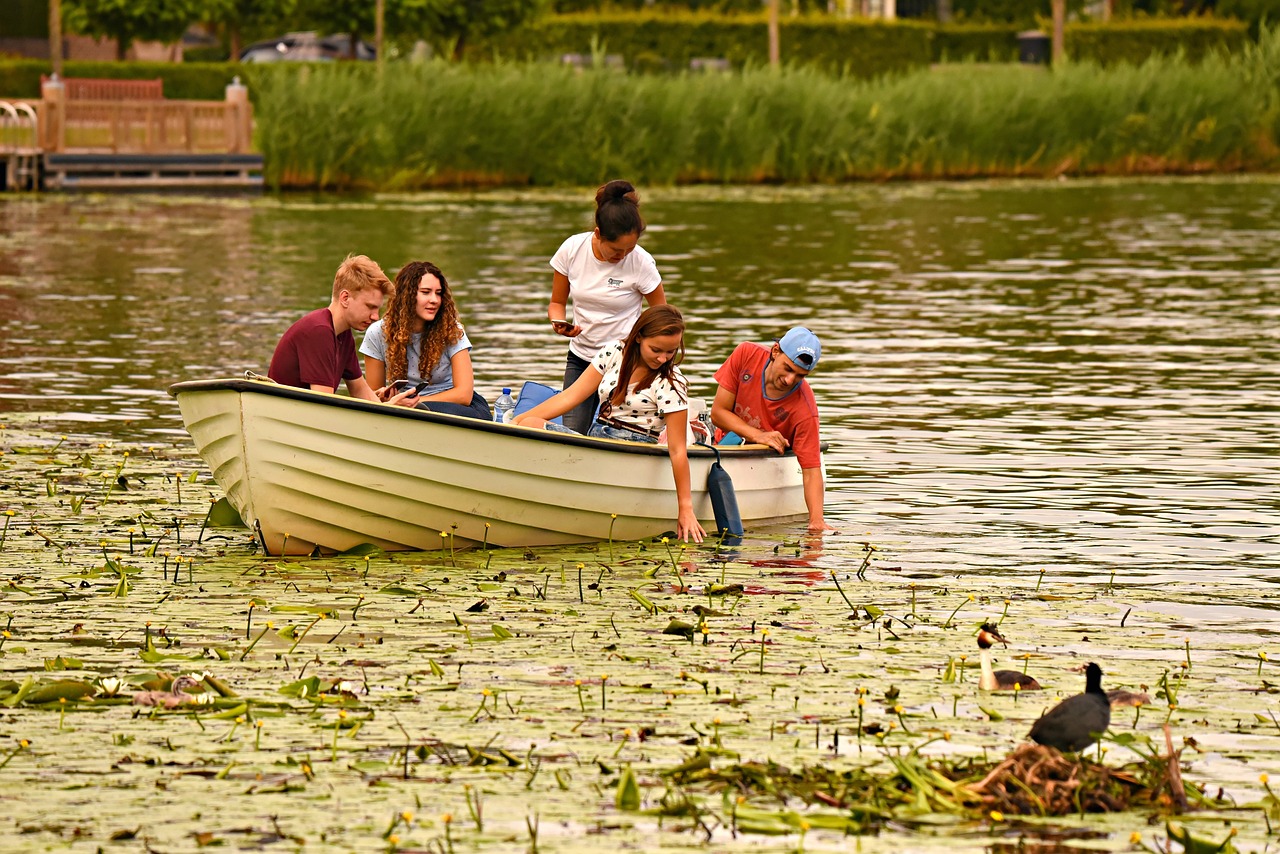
column 609, row 431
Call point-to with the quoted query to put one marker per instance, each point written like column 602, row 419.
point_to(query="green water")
column 1062, row 395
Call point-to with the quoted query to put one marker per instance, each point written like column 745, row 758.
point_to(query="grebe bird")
column 1078, row 721
column 1119, row 697
column 176, row 695
column 999, row 680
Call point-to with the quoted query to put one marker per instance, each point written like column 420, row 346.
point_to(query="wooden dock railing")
column 144, row 125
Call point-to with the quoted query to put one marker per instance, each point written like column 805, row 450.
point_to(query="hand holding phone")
column 563, row 327
column 402, row 386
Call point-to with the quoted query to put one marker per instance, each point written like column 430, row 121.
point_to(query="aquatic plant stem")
column 613, row 517
column 22, row 745
column 967, row 599
column 8, row 517
column 303, row 634
column 854, row 607
column 260, row 636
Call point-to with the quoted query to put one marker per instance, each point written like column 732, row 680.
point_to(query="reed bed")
column 435, row 124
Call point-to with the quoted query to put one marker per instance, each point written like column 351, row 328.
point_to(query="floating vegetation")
column 569, row 698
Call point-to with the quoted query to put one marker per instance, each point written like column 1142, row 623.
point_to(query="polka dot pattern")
column 646, row 409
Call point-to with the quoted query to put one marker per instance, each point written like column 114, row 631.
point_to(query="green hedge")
column 654, row 41
column 975, row 43
column 199, row 81
column 1134, row 41
column 649, row 41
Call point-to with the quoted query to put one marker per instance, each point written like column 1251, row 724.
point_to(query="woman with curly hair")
column 644, row 397
column 419, row 339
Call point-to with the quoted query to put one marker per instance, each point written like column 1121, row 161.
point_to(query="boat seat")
column 531, row 394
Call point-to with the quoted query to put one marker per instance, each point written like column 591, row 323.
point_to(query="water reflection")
column 1078, row 377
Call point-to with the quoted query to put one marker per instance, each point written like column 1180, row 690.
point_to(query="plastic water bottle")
column 504, row 407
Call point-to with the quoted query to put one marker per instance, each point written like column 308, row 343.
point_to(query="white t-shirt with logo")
column 647, row 408
column 607, row 298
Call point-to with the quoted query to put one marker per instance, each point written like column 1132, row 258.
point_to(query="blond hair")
column 360, row 273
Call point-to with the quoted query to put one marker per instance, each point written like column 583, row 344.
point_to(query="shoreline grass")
column 436, row 125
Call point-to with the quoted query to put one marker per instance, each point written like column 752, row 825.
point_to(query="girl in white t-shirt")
column 610, row 279
column 420, row 340
column 643, row 392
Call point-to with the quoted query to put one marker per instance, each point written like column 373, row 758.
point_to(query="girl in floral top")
column 642, row 392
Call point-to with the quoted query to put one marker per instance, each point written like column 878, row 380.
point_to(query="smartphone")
column 562, row 324
column 404, row 385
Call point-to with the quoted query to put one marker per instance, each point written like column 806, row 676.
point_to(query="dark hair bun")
column 618, row 210
column 614, row 191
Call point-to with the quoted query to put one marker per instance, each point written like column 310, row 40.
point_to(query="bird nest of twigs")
column 1036, row 780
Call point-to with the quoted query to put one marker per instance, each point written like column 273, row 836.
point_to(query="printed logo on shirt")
column 614, row 283
column 781, row 415
column 746, row 376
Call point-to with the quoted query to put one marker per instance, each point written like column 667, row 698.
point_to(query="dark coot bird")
column 1077, row 721
column 999, row 680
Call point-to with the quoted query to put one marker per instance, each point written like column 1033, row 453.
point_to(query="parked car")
column 306, row 47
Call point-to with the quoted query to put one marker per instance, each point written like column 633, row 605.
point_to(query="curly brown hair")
column 399, row 320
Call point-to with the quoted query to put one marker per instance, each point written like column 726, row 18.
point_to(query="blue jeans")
column 477, row 408
column 580, row 418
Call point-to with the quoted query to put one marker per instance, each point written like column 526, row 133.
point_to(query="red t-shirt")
column 309, row 353
column 795, row 416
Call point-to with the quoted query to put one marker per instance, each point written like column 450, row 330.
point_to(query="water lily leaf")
column 873, row 612
column 401, row 590
column 1192, row 844
column 61, row 663
column 436, row 669
column 63, row 689
column 680, row 628
column 362, row 550
column 992, row 714
column 302, row 688
column 501, row 632
column 628, row 796
column 223, row 515
column 219, row 686
column 323, row 610
column 725, row 590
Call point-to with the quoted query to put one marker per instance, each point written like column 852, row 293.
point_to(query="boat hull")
column 308, row 470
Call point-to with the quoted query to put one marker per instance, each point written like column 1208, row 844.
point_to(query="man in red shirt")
column 763, row 398
column 319, row 350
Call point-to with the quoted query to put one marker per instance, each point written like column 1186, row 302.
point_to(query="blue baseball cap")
column 802, row 347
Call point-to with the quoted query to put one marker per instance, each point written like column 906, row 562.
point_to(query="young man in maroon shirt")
column 764, row 399
column 319, row 350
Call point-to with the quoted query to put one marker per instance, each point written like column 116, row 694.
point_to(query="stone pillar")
column 239, row 117
column 53, row 114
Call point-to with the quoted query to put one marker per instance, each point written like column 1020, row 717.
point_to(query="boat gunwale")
column 344, row 402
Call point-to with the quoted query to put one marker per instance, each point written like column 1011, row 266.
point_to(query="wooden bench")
column 101, row 89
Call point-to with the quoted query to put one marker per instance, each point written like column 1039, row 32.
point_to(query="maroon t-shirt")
column 310, row 354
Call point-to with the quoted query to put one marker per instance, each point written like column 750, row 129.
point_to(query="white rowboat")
column 307, row 470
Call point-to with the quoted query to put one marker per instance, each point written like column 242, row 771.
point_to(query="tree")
column 128, row 21
column 453, row 23
column 349, row 17
column 236, row 15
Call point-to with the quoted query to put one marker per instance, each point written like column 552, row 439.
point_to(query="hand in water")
column 687, row 527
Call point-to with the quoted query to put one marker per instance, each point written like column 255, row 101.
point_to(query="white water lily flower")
column 110, row 686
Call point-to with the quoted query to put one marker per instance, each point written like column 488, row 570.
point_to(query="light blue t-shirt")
column 441, row 379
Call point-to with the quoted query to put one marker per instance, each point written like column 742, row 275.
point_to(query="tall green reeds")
column 437, row 124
